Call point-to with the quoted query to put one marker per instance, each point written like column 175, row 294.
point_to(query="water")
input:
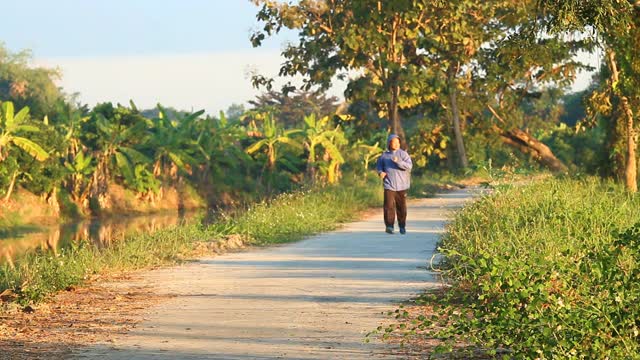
column 100, row 232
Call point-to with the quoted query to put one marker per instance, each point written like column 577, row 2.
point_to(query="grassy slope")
column 547, row 270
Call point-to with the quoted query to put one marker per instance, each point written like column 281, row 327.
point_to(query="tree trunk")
column 630, row 170
column 394, row 116
column 455, row 117
column 11, row 185
column 311, row 163
column 532, row 146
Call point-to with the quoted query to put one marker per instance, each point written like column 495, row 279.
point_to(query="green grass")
column 37, row 275
column 292, row 216
column 546, row 271
column 287, row 217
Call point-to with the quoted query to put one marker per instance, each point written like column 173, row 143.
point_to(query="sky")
column 187, row 54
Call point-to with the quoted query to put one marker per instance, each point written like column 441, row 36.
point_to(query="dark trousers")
column 395, row 202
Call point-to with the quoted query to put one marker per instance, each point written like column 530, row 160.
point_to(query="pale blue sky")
column 69, row 28
column 189, row 54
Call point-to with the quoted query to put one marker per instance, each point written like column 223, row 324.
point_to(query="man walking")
column 394, row 168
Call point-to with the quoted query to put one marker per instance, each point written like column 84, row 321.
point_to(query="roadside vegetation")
column 540, row 271
column 287, row 217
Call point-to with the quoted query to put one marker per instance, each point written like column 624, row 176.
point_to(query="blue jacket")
column 398, row 172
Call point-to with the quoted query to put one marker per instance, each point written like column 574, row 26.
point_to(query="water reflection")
column 100, row 232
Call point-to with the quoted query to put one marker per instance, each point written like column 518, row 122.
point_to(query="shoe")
column 389, row 230
column 403, row 231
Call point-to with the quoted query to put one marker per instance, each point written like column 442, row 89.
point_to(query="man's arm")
column 404, row 162
column 380, row 168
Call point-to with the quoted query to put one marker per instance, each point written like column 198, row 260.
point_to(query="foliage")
column 13, row 129
column 273, row 138
column 369, row 154
column 319, row 135
column 574, row 109
column 291, row 108
column 429, row 145
column 602, row 15
column 26, row 86
column 582, row 149
column 343, row 36
column 12, row 125
column 547, row 270
column 617, row 30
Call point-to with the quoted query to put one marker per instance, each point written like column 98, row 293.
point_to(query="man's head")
column 393, row 142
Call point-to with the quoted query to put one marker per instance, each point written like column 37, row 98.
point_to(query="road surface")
column 313, row 299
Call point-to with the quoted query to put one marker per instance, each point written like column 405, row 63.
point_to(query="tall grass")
column 291, row 216
column 287, row 217
column 40, row 274
column 547, row 271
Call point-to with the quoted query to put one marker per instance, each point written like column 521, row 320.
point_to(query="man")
column 394, row 168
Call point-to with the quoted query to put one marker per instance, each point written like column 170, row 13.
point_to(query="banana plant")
column 219, row 144
column 80, row 169
column 173, row 142
column 274, row 137
column 320, row 133
column 118, row 133
column 369, row 153
column 12, row 126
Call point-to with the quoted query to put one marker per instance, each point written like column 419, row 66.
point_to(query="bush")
column 547, row 271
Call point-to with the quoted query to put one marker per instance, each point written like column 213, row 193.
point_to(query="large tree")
column 25, row 85
column 514, row 73
column 406, row 52
column 615, row 24
column 341, row 37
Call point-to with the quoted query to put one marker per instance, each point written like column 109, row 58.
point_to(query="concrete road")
column 314, row 299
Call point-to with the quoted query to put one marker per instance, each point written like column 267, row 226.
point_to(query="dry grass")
column 95, row 313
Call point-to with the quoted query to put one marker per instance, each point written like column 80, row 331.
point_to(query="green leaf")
column 7, row 113
column 31, row 148
column 223, row 119
column 176, row 160
column 125, row 167
column 134, row 155
column 256, row 146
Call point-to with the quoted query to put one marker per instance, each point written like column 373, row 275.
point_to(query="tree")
column 27, row 86
column 407, row 52
column 114, row 135
column 338, row 37
column 221, row 151
column 369, row 153
column 517, row 80
column 171, row 146
column 171, row 142
column 291, row 108
column 617, row 25
column 319, row 135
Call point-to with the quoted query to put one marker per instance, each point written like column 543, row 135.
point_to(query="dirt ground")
column 74, row 318
column 108, row 308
